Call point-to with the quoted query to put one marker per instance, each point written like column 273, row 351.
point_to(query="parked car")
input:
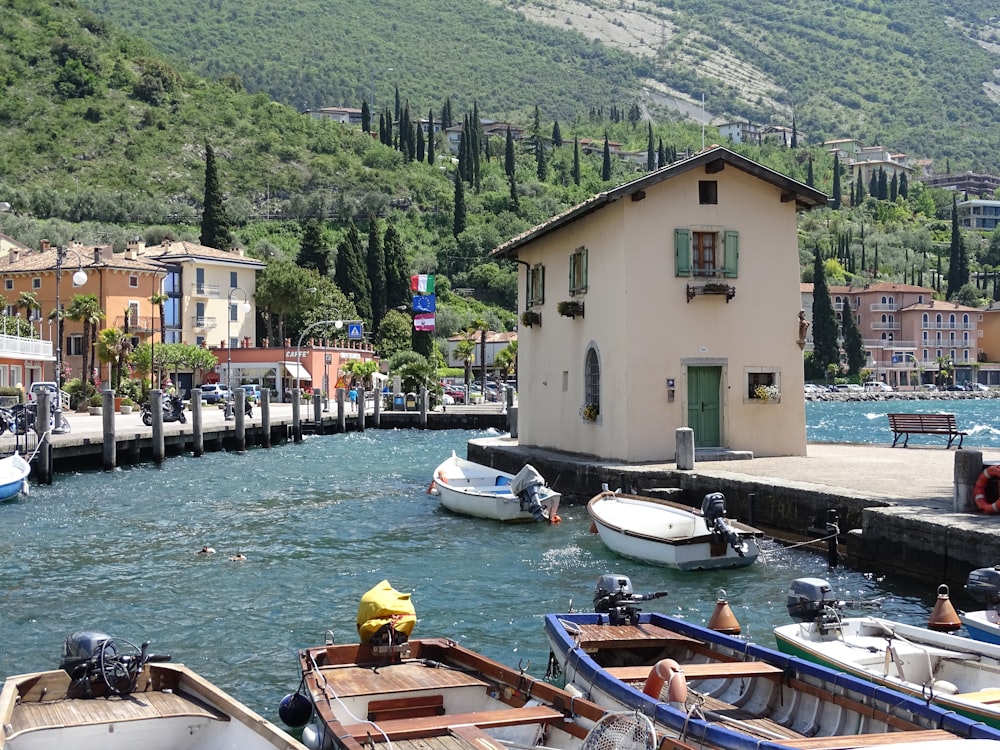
column 253, row 393
column 813, row 388
column 455, row 392
column 977, row 387
column 927, row 387
column 849, row 388
column 38, row 386
column 878, row 385
column 213, row 393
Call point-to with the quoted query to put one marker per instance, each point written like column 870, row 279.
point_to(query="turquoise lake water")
column 320, row 523
column 865, row 421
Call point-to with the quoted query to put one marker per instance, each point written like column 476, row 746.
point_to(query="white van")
column 875, row 386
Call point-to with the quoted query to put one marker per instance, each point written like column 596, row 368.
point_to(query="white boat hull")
column 662, row 533
column 956, row 673
column 983, row 625
column 472, row 489
column 14, row 471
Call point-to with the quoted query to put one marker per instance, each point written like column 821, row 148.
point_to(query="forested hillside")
column 915, row 75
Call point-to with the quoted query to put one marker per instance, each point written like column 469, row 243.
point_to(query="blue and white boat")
column 721, row 691
column 983, row 585
column 14, row 471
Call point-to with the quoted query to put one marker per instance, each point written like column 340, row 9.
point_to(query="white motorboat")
column 473, row 489
column 14, row 471
column 983, row 584
column 110, row 695
column 956, row 673
column 666, row 533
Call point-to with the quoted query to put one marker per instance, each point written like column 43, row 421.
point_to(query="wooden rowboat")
column 736, row 695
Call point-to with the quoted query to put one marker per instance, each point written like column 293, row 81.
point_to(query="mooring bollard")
column 265, row 418
column 108, row 427
column 156, row 412
column 241, row 424
column 968, row 467
column 684, row 448
column 197, row 425
column 296, row 418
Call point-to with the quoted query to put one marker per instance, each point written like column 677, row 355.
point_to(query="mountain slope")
column 914, row 75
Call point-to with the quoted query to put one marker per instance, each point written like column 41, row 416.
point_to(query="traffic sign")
column 355, row 331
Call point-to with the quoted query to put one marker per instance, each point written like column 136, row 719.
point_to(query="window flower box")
column 767, row 394
column 590, row 412
column 531, row 318
column 570, row 308
column 712, row 287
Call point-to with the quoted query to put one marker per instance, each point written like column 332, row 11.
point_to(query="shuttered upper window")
column 536, row 285
column 578, row 271
column 706, row 251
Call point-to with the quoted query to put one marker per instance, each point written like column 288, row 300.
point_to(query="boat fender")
column 979, row 492
column 295, row 710
column 666, row 672
column 943, row 687
column 315, row 738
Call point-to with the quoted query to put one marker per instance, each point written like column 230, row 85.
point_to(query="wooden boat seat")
column 406, row 708
column 595, row 637
column 476, row 738
column 988, row 695
column 709, row 671
column 844, row 741
column 408, row 729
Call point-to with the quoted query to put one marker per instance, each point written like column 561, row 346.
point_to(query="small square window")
column 133, row 282
column 36, row 283
column 708, row 192
column 8, row 284
column 763, row 385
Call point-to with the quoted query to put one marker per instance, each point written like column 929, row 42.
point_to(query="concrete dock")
column 895, row 507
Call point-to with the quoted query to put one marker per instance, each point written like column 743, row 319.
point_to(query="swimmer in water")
column 238, row 557
column 206, row 550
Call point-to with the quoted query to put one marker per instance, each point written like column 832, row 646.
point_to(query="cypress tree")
column 825, row 346
column 557, row 140
column 836, row 186
column 397, row 278
column 576, row 161
column 861, row 188
column 463, row 152
column 420, row 143
column 650, row 152
column 810, row 180
column 396, row 112
column 795, row 134
column 606, row 166
column 381, row 128
column 430, row 137
column 661, row 156
column 509, row 165
column 376, row 272
column 349, row 272
column 883, row 186
column 459, row 225
column 515, row 203
column 904, row 186
column 958, row 260
column 366, row 117
column 536, row 126
column 313, row 252
column 214, row 222
column 540, row 164
column 446, row 121
column 854, row 346
column 476, row 146
column 893, row 188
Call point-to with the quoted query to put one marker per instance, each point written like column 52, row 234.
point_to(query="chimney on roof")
column 45, row 245
column 136, row 245
column 15, row 254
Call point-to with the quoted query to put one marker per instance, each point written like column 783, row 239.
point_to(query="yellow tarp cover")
column 382, row 604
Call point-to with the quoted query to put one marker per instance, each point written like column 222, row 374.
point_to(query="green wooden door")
column 703, row 405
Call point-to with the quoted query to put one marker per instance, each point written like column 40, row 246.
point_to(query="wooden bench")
column 924, row 424
column 406, row 708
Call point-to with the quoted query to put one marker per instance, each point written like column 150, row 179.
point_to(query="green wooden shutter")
column 682, row 252
column 541, row 284
column 732, row 255
column 573, row 258
column 583, row 276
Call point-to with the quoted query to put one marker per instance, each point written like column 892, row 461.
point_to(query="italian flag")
column 424, row 283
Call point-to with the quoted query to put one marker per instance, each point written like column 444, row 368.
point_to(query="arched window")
column 926, row 320
column 592, row 379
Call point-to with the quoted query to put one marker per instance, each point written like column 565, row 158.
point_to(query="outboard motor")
column 811, row 600
column 613, row 594
column 79, row 648
column 983, row 585
column 101, row 665
column 527, row 484
column 713, row 507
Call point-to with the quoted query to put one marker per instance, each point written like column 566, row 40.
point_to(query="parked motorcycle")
column 23, row 417
column 173, row 411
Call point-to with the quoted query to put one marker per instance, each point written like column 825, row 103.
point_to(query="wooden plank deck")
column 408, row 729
column 95, row 711
column 596, row 637
column 353, row 681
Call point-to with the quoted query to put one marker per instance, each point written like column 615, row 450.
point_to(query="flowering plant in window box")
column 570, row 308
column 531, row 318
column 590, row 411
column 767, row 393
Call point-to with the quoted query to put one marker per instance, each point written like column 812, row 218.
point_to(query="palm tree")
column 465, row 352
column 86, row 308
column 114, row 346
column 29, row 302
column 157, row 300
column 506, row 359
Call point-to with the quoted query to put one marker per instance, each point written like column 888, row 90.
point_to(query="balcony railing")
column 205, row 290
column 25, row 347
column 883, row 307
column 138, row 323
column 891, row 326
column 203, row 321
column 947, row 326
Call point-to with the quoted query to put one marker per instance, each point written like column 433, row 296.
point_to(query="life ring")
column 669, row 672
column 990, row 472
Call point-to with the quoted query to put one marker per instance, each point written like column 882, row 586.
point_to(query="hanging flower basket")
column 570, row 308
column 531, row 318
column 590, row 412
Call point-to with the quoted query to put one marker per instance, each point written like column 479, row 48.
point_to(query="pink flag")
column 423, row 322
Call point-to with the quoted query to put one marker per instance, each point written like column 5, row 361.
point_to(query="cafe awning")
column 295, row 370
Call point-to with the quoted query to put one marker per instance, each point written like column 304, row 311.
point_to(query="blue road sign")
column 355, row 331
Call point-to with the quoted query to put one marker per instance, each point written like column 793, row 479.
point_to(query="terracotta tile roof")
column 100, row 256
column 179, row 252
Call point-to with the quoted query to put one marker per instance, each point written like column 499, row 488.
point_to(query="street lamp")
column 244, row 308
column 79, row 279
